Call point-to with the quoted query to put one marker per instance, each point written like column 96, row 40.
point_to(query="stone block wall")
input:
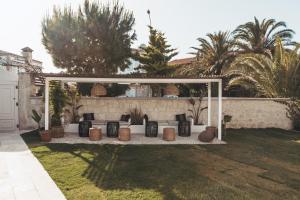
column 245, row 112
column 27, row 103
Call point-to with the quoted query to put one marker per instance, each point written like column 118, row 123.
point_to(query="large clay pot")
column 212, row 130
column 45, row 136
column 57, row 132
column 208, row 135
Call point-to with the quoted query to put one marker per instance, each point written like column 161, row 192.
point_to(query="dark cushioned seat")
column 84, row 128
column 151, row 127
column 184, row 128
column 88, row 116
column 112, row 129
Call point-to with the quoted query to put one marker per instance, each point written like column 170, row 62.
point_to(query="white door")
column 8, row 107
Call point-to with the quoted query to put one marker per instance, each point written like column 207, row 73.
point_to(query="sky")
column 182, row 21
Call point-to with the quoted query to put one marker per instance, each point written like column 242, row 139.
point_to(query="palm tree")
column 260, row 37
column 278, row 76
column 215, row 53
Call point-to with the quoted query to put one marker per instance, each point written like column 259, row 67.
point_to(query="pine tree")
column 96, row 38
column 154, row 58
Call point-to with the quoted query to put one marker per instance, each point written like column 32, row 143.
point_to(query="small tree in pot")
column 73, row 102
column 196, row 109
column 226, row 119
column 45, row 135
column 58, row 100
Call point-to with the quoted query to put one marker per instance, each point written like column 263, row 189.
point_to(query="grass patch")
column 255, row 164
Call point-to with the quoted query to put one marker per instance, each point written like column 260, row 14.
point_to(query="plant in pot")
column 136, row 116
column 44, row 135
column 195, row 113
column 293, row 112
column 58, row 100
column 226, row 119
column 73, row 110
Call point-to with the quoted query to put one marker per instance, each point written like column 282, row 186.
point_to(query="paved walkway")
column 22, row 177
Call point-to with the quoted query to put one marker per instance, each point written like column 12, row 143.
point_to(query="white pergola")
column 86, row 79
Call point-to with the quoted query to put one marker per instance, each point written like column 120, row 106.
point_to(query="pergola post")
column 46, row 104
column 220, row 110
column 209, row 104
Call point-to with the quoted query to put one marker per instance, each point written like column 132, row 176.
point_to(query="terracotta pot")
column 45, row 136
column 95, row 134
column 124, row 134
column 57, row 132
column 212, row 130
column 208, row 135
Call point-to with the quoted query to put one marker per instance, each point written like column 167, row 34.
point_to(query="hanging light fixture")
column 171, row 89
column 98, row 90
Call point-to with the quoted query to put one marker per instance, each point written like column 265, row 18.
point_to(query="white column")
column 46, row 104
column 209, row 104
column 220, row 110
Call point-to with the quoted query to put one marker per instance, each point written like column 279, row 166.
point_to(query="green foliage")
column 73, row 102
column 293, row 112
column 276, row 77
column 136, row 116
column 85, row 88
column 114, row 90
column 260, row 37
column 215, row 54
column 94, row 39
column 227, row 118
column 196, row 109
column 154, row 58
column 36, row 117
column 58, row 100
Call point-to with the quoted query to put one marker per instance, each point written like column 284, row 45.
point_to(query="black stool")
column 84, row 128
column 184, row 128
column 112, row 129
column 151, row 129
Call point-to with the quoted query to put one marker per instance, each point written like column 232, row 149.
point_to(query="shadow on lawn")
column 162, row 169
column 255, row 163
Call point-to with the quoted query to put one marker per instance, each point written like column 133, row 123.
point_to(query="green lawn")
column 255, row 164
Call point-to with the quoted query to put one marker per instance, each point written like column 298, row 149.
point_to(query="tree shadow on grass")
column 168, row 170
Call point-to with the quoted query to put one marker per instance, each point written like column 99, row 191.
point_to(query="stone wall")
column 246, row 112
column 27, row 103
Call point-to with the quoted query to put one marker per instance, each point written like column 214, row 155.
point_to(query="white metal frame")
column 141, row 80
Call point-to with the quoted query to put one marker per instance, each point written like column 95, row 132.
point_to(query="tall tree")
column 215, row 53
column 95, row 39
column 155, row 56
column 260, row 37
column 276, row 77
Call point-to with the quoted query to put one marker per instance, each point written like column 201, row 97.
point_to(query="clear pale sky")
column 183, row 21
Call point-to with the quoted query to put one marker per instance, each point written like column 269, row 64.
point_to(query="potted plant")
column 44, row 135
column 293, row 112
column 73, row 110
column 58, row 100
column 226, row 119
column 195, row 113
column 136, row 120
